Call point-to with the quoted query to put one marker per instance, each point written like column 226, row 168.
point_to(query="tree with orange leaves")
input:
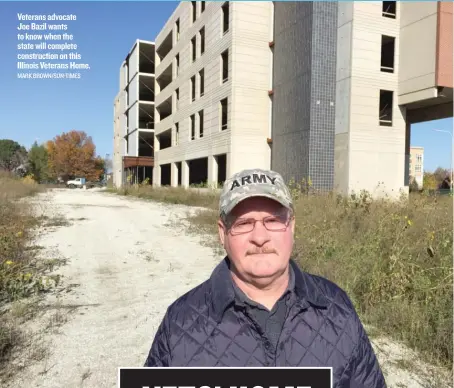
column 73, row 154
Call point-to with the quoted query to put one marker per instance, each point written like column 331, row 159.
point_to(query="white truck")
column 77, row 182
column 80, row 183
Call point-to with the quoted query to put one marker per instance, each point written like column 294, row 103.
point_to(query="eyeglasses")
column 274, row 223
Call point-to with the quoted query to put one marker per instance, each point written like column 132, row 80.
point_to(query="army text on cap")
column 250, row 179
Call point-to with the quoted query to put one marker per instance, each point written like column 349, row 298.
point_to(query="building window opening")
column 225, row 65
column 201, row 123
column 193, row 48
column 202, row 82
column 192, row 127
column 224, row 117
column 389, row 9
column 194, row 11
column 193, row 88
column 202, row 40
column 386, row 108
column 387, row 54
column 225, row 17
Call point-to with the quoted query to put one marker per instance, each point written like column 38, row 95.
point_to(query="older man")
column 258, row 308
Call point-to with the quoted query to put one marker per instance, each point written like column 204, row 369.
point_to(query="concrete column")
column 184, row 174
column 212, row 171
column 228, row 167
column 156, row 168
column 174, row 175
column 407, row 152
column 341, row 163
column 156, row 145
column 157, row 176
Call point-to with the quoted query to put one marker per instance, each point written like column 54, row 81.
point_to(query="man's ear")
column 221, row 231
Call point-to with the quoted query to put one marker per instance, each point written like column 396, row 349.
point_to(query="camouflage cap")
column 254, row 183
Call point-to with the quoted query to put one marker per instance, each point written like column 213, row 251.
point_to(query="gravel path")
column 127, row 261
column 127, row 267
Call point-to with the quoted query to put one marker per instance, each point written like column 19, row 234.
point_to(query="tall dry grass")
column 203, row 197
column 394, row 258
column 19, row 275
column 16, row 224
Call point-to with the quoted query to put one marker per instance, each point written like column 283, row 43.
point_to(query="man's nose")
column 260, row 234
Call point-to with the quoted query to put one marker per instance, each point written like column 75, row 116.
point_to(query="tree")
column 430, row 181
column 71, row 155
column 414, row 187
column 100, row 166
column 38, row 162
column 12, row 155
column 441, row 174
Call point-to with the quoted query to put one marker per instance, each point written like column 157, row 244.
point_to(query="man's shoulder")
column 196, row 300
column 331, row 291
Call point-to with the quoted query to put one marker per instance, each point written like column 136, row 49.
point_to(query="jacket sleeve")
column 363, row 369
column 159, row 354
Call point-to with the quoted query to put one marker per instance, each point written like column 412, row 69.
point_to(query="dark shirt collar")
column 223, row 291
column 242, row 298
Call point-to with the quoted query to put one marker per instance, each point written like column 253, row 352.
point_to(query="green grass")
column 394, row 258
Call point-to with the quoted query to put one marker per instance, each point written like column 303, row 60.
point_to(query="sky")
column 40, row 109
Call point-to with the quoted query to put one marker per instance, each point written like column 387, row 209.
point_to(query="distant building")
column 416, row 165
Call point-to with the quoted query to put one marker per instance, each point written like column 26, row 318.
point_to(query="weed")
column 21, row 274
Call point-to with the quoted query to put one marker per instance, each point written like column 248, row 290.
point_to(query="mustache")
column 260, row 250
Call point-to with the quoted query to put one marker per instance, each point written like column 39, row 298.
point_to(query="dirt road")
column 125, row 266
column 127, row 261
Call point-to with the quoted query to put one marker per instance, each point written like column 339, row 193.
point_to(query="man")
column 258, row 308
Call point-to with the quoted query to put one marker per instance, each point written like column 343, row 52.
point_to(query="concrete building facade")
column 213, row 74
column 386, row 80
column 344, row 97
column 370, row 124
column 416, row 165
column 118, row 146
column 320, row 91
column 304, row 91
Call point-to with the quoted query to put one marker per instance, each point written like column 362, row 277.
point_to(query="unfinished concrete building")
column 213, row 73
column 134, row 117
column 324, row 91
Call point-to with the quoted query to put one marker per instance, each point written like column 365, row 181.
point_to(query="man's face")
column 260, row 254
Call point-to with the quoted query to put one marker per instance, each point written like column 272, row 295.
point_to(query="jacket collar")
column 223, row 293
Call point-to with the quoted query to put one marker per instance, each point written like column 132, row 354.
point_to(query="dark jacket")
column 206, row 327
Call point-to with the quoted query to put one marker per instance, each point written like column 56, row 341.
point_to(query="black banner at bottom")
column 225, row 378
